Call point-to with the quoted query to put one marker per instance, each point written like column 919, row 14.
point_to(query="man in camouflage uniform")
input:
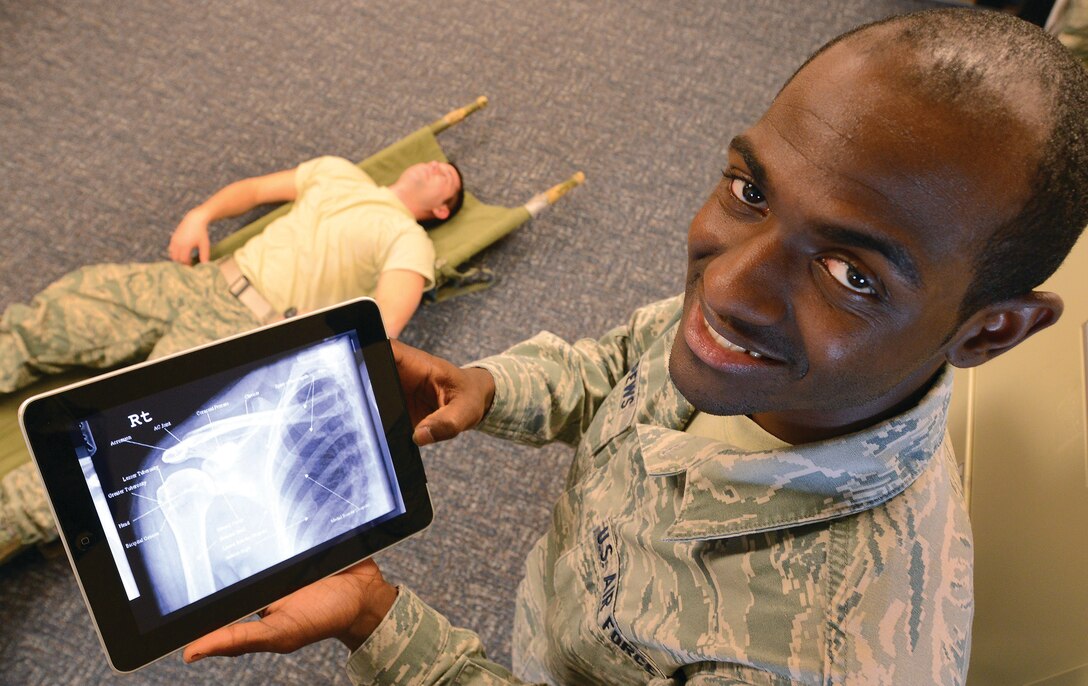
column 762, row 491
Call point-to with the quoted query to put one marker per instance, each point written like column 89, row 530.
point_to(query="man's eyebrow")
column 744, row 148
column 891, row 250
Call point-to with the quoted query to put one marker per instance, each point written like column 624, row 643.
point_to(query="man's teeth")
column 728, row 345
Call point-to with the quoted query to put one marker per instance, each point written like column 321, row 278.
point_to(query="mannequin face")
column 427, row 188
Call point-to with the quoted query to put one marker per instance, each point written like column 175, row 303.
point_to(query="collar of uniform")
column 730, row 493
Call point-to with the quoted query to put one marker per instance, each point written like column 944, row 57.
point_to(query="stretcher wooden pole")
column 458, row 115
column 538, row 202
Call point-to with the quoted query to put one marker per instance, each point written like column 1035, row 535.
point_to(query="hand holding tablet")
column 197, row 489
column 443, row 400
column 347, row 606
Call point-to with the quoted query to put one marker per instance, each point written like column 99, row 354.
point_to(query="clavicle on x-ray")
column 285, row 458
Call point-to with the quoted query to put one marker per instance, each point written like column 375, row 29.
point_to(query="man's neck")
column 406, row 199
column 799, row 426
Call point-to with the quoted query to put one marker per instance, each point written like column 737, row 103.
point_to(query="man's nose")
column 748, row 280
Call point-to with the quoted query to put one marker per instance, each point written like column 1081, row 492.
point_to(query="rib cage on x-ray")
column 289, row 460
column 321, row 446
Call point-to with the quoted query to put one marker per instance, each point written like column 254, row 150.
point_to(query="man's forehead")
column 952, row 78
column 849, row 136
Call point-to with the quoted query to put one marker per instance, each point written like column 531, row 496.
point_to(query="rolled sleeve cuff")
column 404, row 647
column 506, row 418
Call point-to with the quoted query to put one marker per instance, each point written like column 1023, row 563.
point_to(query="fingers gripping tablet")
column 194, row 490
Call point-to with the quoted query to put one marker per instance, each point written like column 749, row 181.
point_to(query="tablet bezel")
column 47, row 421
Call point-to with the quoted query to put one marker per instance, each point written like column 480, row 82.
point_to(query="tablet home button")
column 84, row 540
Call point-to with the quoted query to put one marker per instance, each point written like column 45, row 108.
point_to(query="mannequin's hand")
column 191, row 232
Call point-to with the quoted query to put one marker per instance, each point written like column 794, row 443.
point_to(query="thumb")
column 443, row 424
column 205, row 249
column 233, row 640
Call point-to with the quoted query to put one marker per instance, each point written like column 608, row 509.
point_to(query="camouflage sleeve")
column 547, row 389
column 415, row 644
column 25, row 518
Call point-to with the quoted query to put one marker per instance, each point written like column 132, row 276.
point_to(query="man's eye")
column 846, row 274
column 748, row 193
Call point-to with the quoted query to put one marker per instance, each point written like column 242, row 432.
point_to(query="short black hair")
column 457, row 199
column 454, row 203
column 968, row 53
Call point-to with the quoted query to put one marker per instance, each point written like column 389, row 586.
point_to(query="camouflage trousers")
column 100, row 317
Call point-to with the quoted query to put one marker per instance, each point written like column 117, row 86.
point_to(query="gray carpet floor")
column 116, row 118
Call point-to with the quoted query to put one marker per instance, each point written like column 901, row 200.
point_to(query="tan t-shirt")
column 738, row 431
column 341, row 234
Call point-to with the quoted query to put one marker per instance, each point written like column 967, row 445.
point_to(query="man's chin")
column 695, row 381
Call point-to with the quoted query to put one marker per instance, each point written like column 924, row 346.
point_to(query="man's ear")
column 1002, row 326
column 441, row 212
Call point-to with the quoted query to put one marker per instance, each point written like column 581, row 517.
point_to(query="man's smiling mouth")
column 727, row 344
column 717, row 344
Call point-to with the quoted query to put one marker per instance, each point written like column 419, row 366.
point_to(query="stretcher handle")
column 458, row 115
column 541, row 200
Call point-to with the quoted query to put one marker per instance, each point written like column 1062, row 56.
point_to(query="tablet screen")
column 204, row 485
column 194, row 490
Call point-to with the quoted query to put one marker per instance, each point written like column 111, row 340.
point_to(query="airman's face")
column 826, row 270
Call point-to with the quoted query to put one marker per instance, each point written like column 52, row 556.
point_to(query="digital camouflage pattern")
column 99, row 317
column 25, row 519
column 674, row 558
column 108, row 314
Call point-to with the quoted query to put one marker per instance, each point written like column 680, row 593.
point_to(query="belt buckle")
column 233, row 287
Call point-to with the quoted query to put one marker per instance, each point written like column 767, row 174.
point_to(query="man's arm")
column 398, row 294
column 402, row 640
column 550, row 389
column 229, row 201
column 394, row 637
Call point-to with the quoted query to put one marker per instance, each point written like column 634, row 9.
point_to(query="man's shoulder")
column 331, row 167
column 649, row 322
column 665, row 309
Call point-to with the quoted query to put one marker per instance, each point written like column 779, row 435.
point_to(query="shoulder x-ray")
column 284, row 458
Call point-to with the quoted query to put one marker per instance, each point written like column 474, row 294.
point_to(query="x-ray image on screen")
column 225, row 477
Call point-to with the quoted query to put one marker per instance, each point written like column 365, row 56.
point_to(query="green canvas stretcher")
column 475, row 227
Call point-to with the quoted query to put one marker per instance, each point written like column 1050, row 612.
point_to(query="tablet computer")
column 194, row 490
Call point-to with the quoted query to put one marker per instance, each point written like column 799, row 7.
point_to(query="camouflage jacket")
column 675, row 559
